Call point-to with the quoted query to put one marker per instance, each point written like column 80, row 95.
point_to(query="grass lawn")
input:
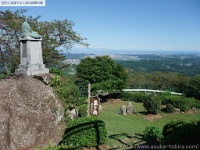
column 128, row 130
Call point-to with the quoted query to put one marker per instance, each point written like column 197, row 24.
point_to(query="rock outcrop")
column 30, row 114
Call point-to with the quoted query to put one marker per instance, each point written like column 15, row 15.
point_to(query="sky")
column 161, row 25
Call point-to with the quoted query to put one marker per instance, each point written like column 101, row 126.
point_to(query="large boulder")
column 30, row 114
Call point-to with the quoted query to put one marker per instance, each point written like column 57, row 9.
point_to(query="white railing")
column 148, row 90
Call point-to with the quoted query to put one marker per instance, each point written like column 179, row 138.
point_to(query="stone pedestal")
column 31, row 61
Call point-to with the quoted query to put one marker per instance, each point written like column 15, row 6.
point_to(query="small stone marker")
column 129, row 108
column 123, row 110
column 126, row 109
column 72, row 113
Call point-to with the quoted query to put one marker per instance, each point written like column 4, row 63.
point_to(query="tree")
column 102, row 72
column 192, row 89
column 56, row 35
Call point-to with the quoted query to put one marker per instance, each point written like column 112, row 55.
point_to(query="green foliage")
column 182, row 132
column 192, row 89
column 169, row 108
column 69, row 93
column 83, row 86
column 2, row 75
column 196, row 104
column 171, row 63
column 167, row 81
column 136, row 97
column 102, row 72
column 180, row 102
column 152, row 104
column 82, row 111
column 166, row 99
column 55, row 34
column 85, row 132
column 10, row 31
column 152, row 133
column 55, row 81
column 56, row 71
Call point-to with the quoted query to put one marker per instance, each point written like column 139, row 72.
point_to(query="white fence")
column 147, row 90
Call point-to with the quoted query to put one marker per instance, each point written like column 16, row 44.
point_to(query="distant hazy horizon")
column 117, row 51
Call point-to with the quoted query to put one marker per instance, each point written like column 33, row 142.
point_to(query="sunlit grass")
column 120, row 127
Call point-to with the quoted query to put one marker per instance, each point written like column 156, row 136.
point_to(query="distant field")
column 128, row 129
column 186, row 64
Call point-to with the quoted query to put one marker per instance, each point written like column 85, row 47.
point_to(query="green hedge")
column 136, row 97
column 82, row 111
column 181, row 132
column 152, row 133
column 85, row 132
column 169, row 108
column 181, row 102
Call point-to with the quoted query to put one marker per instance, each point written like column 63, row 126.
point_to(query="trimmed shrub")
column 136, row 97
column 152, row 133
column 152, row 104
column 181, row 102
column 166, row 99
column 196, row 104
column 182, row 132
column 82, row 111
column 85, row 132
column 169, row 108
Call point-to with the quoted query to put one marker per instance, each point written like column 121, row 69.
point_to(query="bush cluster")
column 56, row 71
column 182, row 132
column 169, row 108
column 152, row 133
column 2, row 76
column 136, row 97
column 152, row 104
column 183, row 103
column 82, row 111
column 85, row 132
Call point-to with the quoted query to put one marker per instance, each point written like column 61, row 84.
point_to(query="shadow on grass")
column 124, row 144
column 140, row 143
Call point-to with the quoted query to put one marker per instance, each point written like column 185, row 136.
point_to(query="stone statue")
column 26, row 30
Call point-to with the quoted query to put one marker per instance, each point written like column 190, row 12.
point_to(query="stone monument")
column 31, row 61
column 123, row 110
column 129, row 108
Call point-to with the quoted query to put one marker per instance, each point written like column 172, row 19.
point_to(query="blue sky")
column 129, row 24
